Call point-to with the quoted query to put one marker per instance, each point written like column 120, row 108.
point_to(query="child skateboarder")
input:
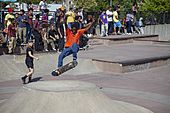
column 72, row 43
column 29, row 62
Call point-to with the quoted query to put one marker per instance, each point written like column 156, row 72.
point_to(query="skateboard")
column 64, row 68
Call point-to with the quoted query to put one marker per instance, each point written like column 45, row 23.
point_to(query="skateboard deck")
column 64, row 68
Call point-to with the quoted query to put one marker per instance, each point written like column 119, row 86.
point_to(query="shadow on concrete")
column 36, row 79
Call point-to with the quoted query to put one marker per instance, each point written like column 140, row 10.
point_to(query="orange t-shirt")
column 71, row 38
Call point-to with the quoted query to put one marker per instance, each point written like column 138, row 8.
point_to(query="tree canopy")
column 149, row 5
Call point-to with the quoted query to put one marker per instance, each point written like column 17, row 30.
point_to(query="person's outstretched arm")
column 86, row 27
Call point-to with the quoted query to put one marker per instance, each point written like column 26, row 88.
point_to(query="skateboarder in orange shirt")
column 72, row 43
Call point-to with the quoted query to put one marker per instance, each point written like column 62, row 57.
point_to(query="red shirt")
column 11, row 30
column 71, row 38
column 36, row 24
column 30, row 21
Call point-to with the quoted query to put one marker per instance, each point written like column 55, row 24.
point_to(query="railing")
column 149, row 17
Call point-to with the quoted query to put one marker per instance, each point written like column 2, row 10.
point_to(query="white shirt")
column 43, row 5
column 109, row 16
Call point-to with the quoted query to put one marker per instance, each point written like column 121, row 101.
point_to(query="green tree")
column 87, row 5
column 156, row 5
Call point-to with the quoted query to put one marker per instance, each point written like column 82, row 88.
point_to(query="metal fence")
column 149, row 17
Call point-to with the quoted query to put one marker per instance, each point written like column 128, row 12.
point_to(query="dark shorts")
column 29, row 64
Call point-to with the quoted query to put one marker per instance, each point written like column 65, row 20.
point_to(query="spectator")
column 45, row 17
column 80, row 12
column 116, row 21
column 90, row 30
column 52, row 34
column 30, row 5
column 60, row 29
column 42, row 5
column 129, row 20
column 139, row 25
column 79, row 22
column 110, row 20
column 103, row 18
column 8, row 17
column 70, row 15
column 22, row 23
column 47, row 40
column 12, row 36
column 16, row 25
column 123, row 22
column 29, row 24
column 36, row 33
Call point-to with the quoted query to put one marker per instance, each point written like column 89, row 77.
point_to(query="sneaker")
column 24, row 79
column 29, row 79
column 75, row 62
column 54, row 73
column 46, row 50
column 54, row 49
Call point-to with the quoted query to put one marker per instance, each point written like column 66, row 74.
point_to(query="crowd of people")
column 50, row 34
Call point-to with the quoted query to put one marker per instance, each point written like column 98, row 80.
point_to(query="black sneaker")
column 29, row 79
column 54, row 73
column 23, row 79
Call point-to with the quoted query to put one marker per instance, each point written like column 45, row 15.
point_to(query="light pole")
column 110, row 2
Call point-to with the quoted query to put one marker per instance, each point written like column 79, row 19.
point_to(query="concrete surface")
column 149, row 88
column 63, row 97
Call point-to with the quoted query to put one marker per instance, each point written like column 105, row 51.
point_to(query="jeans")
column 129, row 25
column 69, row 25
column 68, row 51
column 28, row 32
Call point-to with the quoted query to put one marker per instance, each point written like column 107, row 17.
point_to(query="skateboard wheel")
column 54, row 73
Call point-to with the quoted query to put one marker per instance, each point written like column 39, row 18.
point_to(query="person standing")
column 12, row 36
column 70, row 17
column 60, row 29
column 103, row 18
column 129, row 20
column 22, row 23
column 8, row 17
column 42, row 5
column 29, row 24
column 90, row 30
column 116, row 21
column 110, row 20
column 37, row 34
column 29, row 62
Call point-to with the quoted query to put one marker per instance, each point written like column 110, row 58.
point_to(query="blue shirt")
column 20, row 20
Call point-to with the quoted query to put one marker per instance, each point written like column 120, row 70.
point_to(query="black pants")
column 38, row 41
column 110, row 27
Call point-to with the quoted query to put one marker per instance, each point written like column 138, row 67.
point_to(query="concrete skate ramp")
column 13, row 66
column 65, row 97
